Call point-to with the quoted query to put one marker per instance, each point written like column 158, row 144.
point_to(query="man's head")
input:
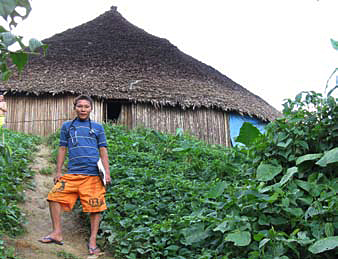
column 1, row 97
column 83, row 106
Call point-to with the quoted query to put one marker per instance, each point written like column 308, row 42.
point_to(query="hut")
column 135, row 79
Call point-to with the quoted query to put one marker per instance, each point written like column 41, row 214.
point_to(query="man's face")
column 83, row 109
column 1, row 98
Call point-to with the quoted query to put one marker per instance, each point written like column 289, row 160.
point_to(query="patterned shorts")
column 70, row 187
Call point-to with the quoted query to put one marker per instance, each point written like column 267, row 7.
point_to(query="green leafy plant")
column 173, row 196
column 15, row 176
column 9, row 12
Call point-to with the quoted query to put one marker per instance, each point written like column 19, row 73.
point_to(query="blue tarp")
column 236, row 122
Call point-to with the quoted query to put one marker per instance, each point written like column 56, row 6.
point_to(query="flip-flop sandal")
column 95, row 251
column 49, row 240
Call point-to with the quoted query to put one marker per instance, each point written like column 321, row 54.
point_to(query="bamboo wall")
column 43, row 115
column 206, row 124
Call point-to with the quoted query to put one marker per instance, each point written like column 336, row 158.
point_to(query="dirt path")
column 39, row 223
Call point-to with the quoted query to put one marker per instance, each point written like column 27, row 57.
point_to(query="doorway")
column 113, row 111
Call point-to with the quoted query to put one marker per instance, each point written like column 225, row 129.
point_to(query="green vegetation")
column 66, row 255
column 10, row 13
column 6, row 252
column 175, row 197
column 15, row 176
column 46, row 171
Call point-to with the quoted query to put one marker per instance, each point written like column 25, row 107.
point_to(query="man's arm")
column 59, row 162
column 105, row 162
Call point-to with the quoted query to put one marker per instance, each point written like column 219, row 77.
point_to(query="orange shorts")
column 89, row 189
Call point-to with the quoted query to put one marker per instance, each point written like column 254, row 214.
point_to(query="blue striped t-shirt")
column 83, row 145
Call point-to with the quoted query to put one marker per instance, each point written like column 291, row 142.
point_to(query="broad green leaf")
column 308, row 157
column 264, row 220
column 222, row 227
column 306, row 199
column 140, row 250
column 304, row 185
column 273, row 197
column 7, row 7
column 298, row 212
column 329, row 157
column 34, row 44
column 19, row 59
column 266, row 172
column 329, row 229
column 310, row 212
column 324, row 244
column 279, row 221
column 240, row 238
column 248, row 134
column 289, row 173
column 258, row 237
column 334, row 44
column 8, row 38
column 195, row 233
column 263, row 242
column 173, row 248
column 284, row 144
column 181, row 149
column 269, row 188
column 217, row 190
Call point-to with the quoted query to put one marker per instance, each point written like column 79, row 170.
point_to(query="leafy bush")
column 175, row 197
column 158, row 181
column 276, row 197
column 15, row 156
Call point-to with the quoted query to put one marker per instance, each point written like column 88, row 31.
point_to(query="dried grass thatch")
column 111, row 58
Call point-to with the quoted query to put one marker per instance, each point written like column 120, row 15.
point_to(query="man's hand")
column 108, row 179
column 57, row 177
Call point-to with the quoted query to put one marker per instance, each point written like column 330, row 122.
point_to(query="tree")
column 9, row 11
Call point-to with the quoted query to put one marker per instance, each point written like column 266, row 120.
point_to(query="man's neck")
column 79, row 119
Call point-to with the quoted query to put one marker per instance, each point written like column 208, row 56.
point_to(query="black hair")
column 83, row 97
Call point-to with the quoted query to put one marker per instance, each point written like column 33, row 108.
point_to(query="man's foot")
column 94, row 251
column 50, row 240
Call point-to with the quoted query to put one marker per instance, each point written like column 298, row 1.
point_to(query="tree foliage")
column 19, row 58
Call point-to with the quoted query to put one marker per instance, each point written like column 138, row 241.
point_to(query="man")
column 3, row 110
column 86, row 142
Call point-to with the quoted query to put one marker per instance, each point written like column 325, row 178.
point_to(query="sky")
column 273, row 48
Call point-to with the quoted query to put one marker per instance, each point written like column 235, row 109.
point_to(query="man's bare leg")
column 55, row 210
column 94, row 228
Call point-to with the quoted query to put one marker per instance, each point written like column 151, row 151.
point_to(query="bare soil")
column 75, row 235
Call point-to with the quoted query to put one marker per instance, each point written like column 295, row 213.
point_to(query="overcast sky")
column 273, row 48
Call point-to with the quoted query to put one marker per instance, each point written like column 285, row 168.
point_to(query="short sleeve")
column 63, row 136
column 102, row 142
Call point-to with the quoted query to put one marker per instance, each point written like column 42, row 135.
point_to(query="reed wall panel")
column 125, row 117
column 43, row 115
column 208, row 125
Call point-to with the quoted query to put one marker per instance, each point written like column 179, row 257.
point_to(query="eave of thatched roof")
column 109, row 57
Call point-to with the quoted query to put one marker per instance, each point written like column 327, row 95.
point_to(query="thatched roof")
column 109, row 57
